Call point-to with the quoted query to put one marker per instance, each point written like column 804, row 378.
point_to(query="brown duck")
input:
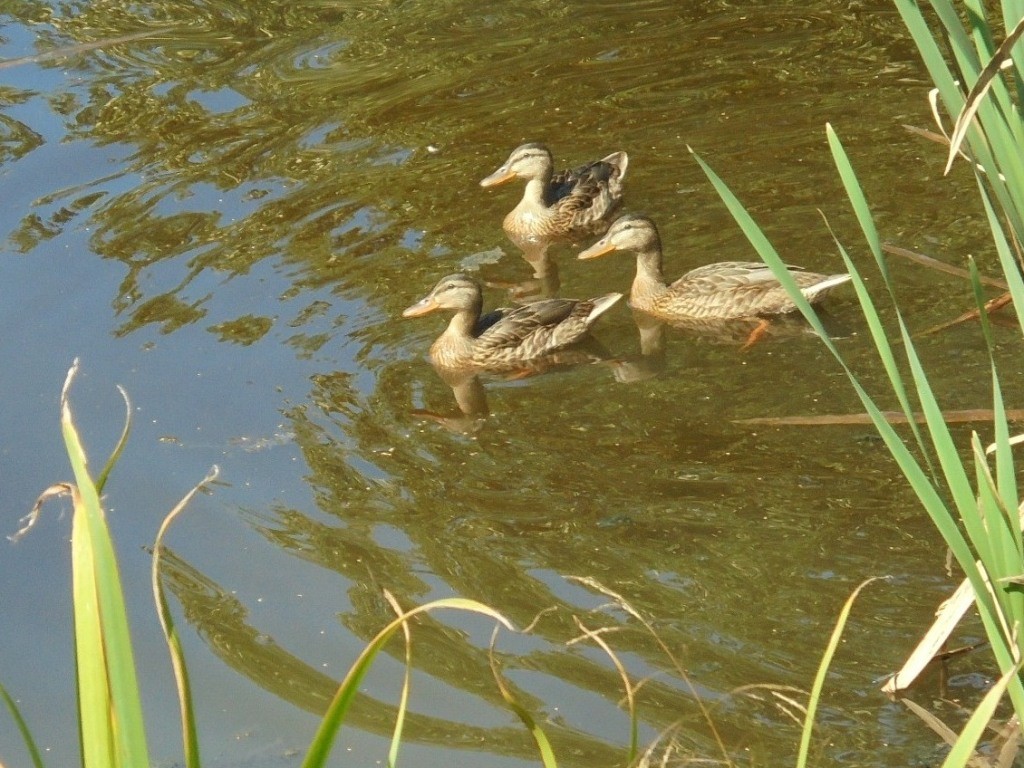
column 567, row 205
column 724, row 291
column 503, row 338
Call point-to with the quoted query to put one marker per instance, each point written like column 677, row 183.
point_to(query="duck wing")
column 516, row 325
column 745, row 289
column 591, row 193
column 730, row 275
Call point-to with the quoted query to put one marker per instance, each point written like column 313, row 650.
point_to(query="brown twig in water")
column 990, row 306
column 941, row 266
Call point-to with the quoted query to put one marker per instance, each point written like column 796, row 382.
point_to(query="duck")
column 727, row 290
column 504, row 338
column 567, row 205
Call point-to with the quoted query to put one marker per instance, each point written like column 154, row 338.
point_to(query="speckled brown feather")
column 734, row 289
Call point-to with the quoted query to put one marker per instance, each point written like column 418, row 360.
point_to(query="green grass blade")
column 918, row 479
column 1007, row 261
column 762, row 245
column 979, row 303
column 1006, row 476
column 858, row 202
column 884, row 349
column 101, row 481
column 945, row 449
column 323, row 742
column 403, row 700
column 768, row 254
column 26, row 734
column 1002, row 560
column 998, row 130
column 823, row 667
column 1000, row 120
column 547, row 754
column 862, row 211
column 959, row 486
column 989, row 77
column 1002, row 131
column 1005, row 488
column 189, row 733
column 931, row 54
column 966, row 52
column 109, row 705
column 992, row 520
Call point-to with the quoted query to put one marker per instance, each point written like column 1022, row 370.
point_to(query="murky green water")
column 227, row 218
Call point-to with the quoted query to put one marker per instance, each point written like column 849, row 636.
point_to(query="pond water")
column 227, row 213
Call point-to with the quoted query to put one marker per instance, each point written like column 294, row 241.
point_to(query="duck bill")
column 600, row 248
column 421, row 307
column 500, row 176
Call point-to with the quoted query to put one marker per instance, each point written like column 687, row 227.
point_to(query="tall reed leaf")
column 1006, row 256
column 917, row 477
column 862, row 211
column 931, row 54
column 982, row 510
column 979, row 90
column 110, row 711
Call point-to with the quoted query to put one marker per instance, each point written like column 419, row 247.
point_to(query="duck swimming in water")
column 508, row 337
column 560, row 206
column 725, row 290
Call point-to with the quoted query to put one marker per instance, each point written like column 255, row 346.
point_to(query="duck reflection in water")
column 651, row 360
column 468, row 384
column 729, row 294
column 515, row 342
column 567, row 206
column 544, row 284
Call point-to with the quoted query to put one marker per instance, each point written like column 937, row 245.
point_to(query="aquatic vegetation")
column 969, row 491
column 110, row 716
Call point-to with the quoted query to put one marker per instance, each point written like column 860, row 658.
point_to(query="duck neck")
column 454, row 347
column 463, row 325
column 536, row 193
column 649, row 280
